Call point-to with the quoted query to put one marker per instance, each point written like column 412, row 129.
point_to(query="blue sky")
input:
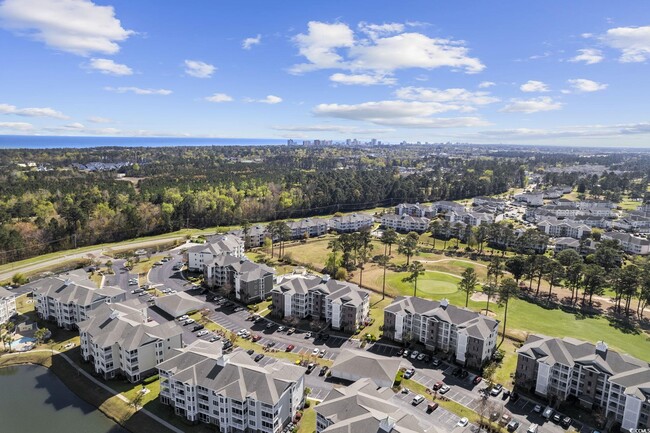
column 552, row 72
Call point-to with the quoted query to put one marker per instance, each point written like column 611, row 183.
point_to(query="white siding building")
column 7, row 305
column 67, row 303
column 231, row 391
column 216, row 245
column 629, row 243
column 351, row 223
column 405, row 223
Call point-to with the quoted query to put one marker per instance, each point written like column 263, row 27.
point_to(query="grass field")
column 308, row 421
column 430, row 285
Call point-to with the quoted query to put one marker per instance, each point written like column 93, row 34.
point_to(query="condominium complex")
column 7, row 305
column 440, row 326
column 341, row 304
column 230, row 391
column 68, row 303
column 351, row 223
column 564, row 228
column 250, row 281
column 405, row 223
column 364, row 407
column 215, row 246
column 254, row 237
column 120, row 340
column 308, row 227
column 630, row 243
column 599, row 378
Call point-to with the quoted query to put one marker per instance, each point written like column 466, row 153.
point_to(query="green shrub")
column 150, row 379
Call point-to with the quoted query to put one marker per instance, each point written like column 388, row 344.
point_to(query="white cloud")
column 97, row 119
column 588, row 55
column 534, row 86
column 320, row 43
column 456, row 96
column 248, row 43
column 75, row 26
column 534, row 105
column 333, row 46
column 376, row 30
column 633, row 42
column 582, row 85
column 486, row 84
column 219, row 97
column 270, row 99
column 362, row 79
column 332, row 128
column 592, row 131
column 106, row 66
column 413, row 114
column 31, row 112
column 139, row 91
column 16, row 126
column 198, row 69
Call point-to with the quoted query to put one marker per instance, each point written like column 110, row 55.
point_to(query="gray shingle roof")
column 360, row 364
column 67, row 291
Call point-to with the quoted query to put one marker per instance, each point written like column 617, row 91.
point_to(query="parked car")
column 197, row 328
column 258, row 357
column 323, row 370
column 431, row 407
column 566, row 422
column 307, row 334
column 188, row 322
column 280, row 328
column 463, row 374
column 400, row 352
column 315, row 351
column 512, row 426
column 414, row 354
column 250, row 351
column 270, row 325
column 291, row 331
column 532, row 428
column 505, row 419
column 214, row 338
column 256, row 337
column 310, row 367
column 421, row 356
column 477, row 380
column 548, row 412
column 437, row 386
column 417, row 400
column 462, row 422
column 557, row 418
column 537, row 408
column 495, row 391
column 514, row 396
column 445, row 389
column 436, row 362
column 202, row 332
column 290, row 347
column 409, row 373
column 505, row 394
column 405, row 354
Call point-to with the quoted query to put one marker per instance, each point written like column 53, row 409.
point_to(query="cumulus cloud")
column 534, row 86
column 32, row 112
column 412, row 114
column 74, row 26
column 97, row 119
column 139, row 91
column 109, row 67
column 270, row 99
column 582, row 85
column 588, row 55
column 633, row 42
column 219, row 97
column 455, row 96
column 248, row 43
column 376, row 30
column 333, row 46
column 532, row 105
column 362, row 79
column 198, row 69
column 486, row 84
column 16, row 126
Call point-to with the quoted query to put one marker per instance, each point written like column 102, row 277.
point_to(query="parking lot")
column 441, row 418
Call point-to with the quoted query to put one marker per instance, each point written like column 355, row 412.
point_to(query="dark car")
column 436, row 362
column 400, row 352
column 457, row 371
column 463, row 374
column 310, row 367
column 323, row 370
column 514, row 397
column 431, row 407
column 505, row 394
column 557, row 418
column 250, row 351
column 227, row 344
column 512, row 426
column 197, row 328
column 258, row 357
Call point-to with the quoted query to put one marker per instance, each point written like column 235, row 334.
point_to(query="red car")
column 290, row 348
column 256, row 337
column 477, row 380
column 437, row 386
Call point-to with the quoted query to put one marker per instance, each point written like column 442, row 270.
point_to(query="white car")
column 183, row 317
column 188, row 322
column 308, row 335
column 462, row 422
column 202, row 332
column 242, row 332
column 315, row 352
column 414, row 354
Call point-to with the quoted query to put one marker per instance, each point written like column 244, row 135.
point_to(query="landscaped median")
column 451, row 406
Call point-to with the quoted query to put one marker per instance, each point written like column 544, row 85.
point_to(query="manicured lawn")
column 508, row 364
column 307, row 423
column 376, row 312
column 25, row 304
column 430, row 285
column 451, row 406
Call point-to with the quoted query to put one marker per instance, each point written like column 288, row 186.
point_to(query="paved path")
column 110, row 390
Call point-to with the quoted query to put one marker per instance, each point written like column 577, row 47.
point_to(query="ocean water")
column 54, row 142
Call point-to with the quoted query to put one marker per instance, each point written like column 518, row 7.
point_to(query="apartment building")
column 215, row 246
column 67, row 303
column 446, row 206
column 7, row 305
column 230, row 391
column 351, row 223
column 471, row 218
column 364, row 407
column 591, row 204
column 254, row 238
column 414, row 210
column 311, row 227
column 405, row 223
column 531, row 198
column 599, row 378
column 250, row 281
column 564, row 228
column 630, row 243
column 440, row 326
column 496, row 203
column 344, row 306
column 121, row 340
column 633, row 223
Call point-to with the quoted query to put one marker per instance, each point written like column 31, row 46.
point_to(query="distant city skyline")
column 565, row 73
